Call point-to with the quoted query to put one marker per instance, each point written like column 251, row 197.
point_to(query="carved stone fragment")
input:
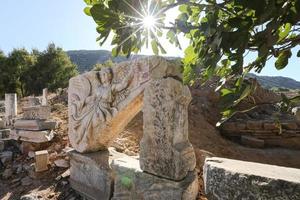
column 165, row 149
column 102, row 103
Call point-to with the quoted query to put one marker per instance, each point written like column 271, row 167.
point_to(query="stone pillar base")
column 91, row 175
column 132, row 183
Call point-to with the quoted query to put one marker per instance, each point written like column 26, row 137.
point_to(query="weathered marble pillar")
column 45, row 97
column 165, row 149
column 10, row 107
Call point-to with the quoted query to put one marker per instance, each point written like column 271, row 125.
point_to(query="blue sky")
column 35, row 23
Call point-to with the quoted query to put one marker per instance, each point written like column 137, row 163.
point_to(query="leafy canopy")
column 221, row 34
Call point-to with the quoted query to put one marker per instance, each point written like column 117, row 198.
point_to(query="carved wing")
column 80, row 88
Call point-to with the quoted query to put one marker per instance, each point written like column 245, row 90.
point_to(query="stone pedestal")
column 45, row 97
column 132, row 183
column 165, row 149
column 226, row 179
column 91, row 175
column 10, row 107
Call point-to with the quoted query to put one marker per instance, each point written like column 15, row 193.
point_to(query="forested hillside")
column 86, row 59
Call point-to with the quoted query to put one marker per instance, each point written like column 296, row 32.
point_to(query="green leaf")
column 87, row 11
column 154, row 47
column 190, row 55
column 126, row 181
column 226, row 91
column 283, row 59
column 284, row 31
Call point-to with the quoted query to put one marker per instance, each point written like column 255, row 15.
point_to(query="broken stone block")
column 33, row 136
column 62, row 163
column 41, row 161
column 91, row 174
column 289, row 125
column 102, row 103
column 132, row 183
column 229, row 126
column 240, row 126
column 165, row 149
column 10, row 108
column 252, row 142
column 36, row 112
column 26, row 147
column 270, row 126
column 254, row 125
column 35, row 125
column 226, row 179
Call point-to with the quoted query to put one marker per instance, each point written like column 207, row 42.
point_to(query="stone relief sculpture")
column 102, row 103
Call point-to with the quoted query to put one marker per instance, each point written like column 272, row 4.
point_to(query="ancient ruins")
column 101, row 104
column 122, row 133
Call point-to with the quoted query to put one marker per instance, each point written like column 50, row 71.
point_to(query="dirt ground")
column 203, row 114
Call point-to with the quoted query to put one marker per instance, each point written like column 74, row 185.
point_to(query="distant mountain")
column 85, row 59
column 277, row 82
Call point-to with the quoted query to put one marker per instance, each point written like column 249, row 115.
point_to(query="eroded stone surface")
column 132, row 183
column 91, row 174
column 165, row 149
column 35, row 125
column 102, row 103
column 36, row 112
column 232, row 179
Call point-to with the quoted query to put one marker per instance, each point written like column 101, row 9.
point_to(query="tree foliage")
column 28, row 73
column 221, row 34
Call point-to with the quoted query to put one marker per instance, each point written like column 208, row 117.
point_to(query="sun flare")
column 149, row 21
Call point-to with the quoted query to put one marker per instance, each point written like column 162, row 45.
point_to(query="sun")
column 149, row 21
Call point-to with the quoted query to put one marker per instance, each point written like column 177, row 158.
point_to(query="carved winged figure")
column 98, row 106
